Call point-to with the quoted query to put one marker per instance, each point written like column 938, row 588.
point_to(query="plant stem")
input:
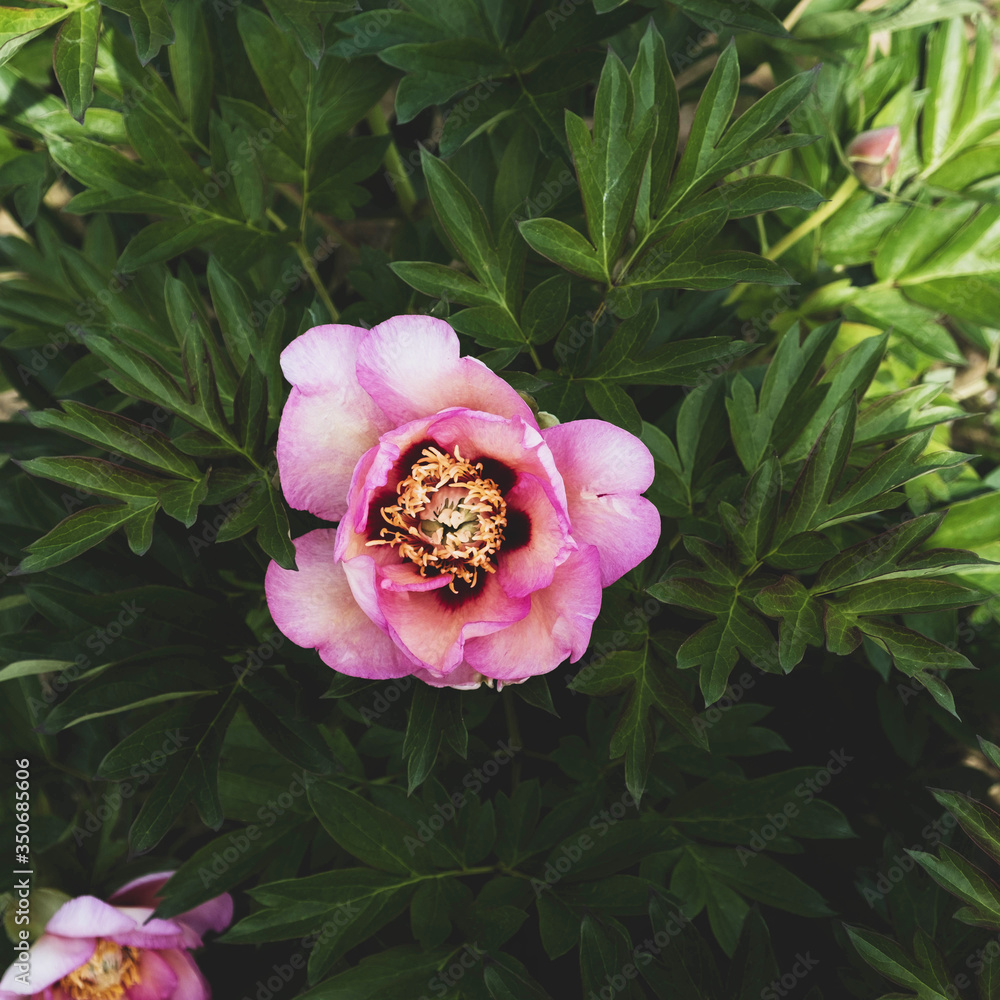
column 797, row 11
column 405, row 194
column 513, row 734
column 814, row 221
column 308, row 265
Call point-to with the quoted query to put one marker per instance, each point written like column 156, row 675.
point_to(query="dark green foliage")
column 631, row 211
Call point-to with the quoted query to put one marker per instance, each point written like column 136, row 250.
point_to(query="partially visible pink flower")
column 471, row 543
column 92, row 950
column 874, row 155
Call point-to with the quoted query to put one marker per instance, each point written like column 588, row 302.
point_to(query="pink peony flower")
column 472, row 543
column 93, row 950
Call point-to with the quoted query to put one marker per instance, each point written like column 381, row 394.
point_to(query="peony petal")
column 150, row 932
column 557, row 627
column 410, row 366
column 462, row 678
column 88, row 916
column 537, row 538
column 191, row 984
column 214, row 915
column 434, row 626
column 50, row 958
column 315, row 608
column 328, row 423
column 157, row 980
column 605, row 468
column 142, row 891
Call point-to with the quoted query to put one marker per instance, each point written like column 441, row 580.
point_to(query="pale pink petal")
column 50, row 958
column 410, row 366
column 191, row 984
column 462, row 678
column 142, row 891
column 88, row 916
column 605, row 468
column 328, row 423
column 434, row 626
column 157, row 980
column 214, row 915
column 536, row 541
column 557, row 627
column 315, row 608
column 150, row 932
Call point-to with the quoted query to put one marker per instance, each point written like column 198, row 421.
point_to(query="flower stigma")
column 448, row 518
column 106, row 975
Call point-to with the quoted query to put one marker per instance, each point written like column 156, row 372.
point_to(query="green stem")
column 513, row 734
column 816, row 219
column 405, row 194
column 308, row 264
column 840, row 196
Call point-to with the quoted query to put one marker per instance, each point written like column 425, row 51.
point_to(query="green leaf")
column 956, row 875
column 563, row 245
column 74, row 56
column 650, row 685
column 610, row 162
column 801, row 618
column 980, row 822
column 193, row 774
column 372, row 835
column 507, row 979
column 442, row 282
column 435, row 713
column 545, row 309
column 96, row 476
column 79, row 532
column 604, row 952
column 748, row 16
column 397, row 974
column 232, row 307
column 112, row 432
column 18, row 25
column 150, row 22
column 612, row 403
column 29, row 668
column 276, row 718
column 887, row 958
column 716, row 647
column 468, row 228
column 208, row 872
column 165, row 240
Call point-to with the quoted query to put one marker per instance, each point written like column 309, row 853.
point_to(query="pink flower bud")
column 874, row 155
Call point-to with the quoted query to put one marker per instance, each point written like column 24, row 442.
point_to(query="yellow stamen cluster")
column 448, row 518
column 110, row 971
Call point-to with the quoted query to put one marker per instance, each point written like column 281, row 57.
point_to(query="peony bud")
column 874, row 156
